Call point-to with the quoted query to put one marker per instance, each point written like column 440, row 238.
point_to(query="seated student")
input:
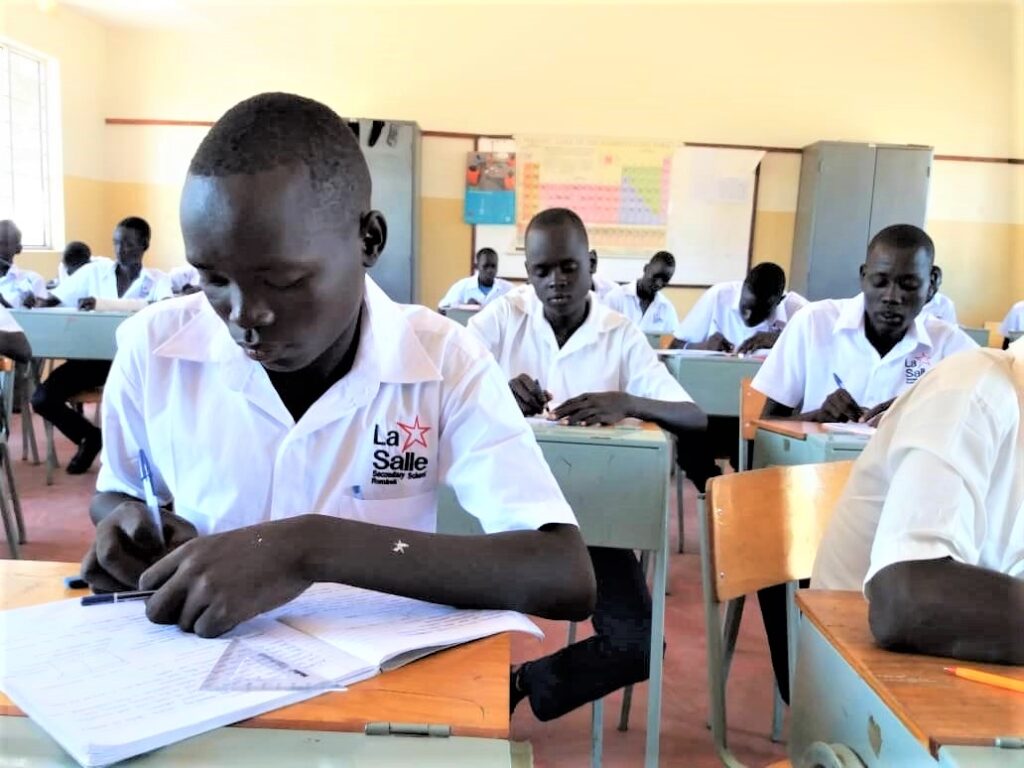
column 18, row 287
column 126, row 278
column 299, row 423
column 555, row 344
column 643, row 302
column 1012, row 323
column 13, row 342
column 741, row 316
column 939, row 304
column 601, row 286
column 846, row 359
column 76, row 255
column 480, row 288
column 931, row 523
column 184, row 280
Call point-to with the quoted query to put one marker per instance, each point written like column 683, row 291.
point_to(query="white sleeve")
column 488, row 325
column 644, row 373
column 37, row 285
column 162, row 288
column 783, row 375
column 671, row 318
column 484, row 436
column 613, row 300
column 949, row 313
column 73, row 287
column 696, row 327
column 1011, row 323
column 943, row 458
column 124, row 428
column 7, row 322
column 794, row 302
column 454, row 295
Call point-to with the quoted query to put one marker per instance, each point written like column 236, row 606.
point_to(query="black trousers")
column 617, row 655
column 773, row 612
column 50, row 400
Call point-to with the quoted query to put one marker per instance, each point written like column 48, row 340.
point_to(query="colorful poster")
column 490, row 188
column 619, row 188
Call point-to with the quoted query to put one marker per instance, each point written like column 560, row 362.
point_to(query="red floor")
column 59, row 529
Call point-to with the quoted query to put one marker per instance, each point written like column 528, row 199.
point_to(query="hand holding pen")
column 840, row 405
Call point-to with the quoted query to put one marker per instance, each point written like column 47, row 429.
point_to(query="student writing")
column 480, row 288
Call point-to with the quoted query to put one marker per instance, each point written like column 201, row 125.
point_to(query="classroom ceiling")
column 187, row 13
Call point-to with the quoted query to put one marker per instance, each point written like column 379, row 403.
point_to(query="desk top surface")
column 68, row 312
column 630, row 432
column 464, row 687
column 937, row 708
column 798, row 430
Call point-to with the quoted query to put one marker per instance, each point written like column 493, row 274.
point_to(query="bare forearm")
column 545, row 573
column 49, row 301
column 945, row 608
column 674, row 417
column 776, row 410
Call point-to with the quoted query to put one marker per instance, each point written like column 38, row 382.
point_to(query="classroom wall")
column 940, row 73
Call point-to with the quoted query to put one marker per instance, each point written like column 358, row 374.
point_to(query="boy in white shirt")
column 299, row 423
column 642, row 300
column 741, row 316
column 480, row 288
column 18, row 287
column 931, row 525
column 601, row 286
column 125, row 278
column 847, row 359
column 556, row 343
column 76, row 255
column 184, row 280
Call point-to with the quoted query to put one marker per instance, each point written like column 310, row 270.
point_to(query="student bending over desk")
column 76, row 255
column 556, row 343
column 642, row 301
column 480, row 288
column 931, row 523
column 126, row 279
column 300, row 422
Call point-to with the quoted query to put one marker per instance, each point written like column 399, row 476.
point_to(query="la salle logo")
column 394, row 460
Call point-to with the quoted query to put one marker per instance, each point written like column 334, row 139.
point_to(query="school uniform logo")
column 395, row 457
column 915, row 367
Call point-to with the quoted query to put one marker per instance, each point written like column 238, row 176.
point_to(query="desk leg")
column 657, row 655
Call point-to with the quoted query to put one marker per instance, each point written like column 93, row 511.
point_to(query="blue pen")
column 839, row 382
column 151, row 501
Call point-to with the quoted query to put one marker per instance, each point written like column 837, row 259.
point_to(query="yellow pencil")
column 999, row 681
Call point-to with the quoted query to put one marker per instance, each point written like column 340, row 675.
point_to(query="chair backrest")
column 764, row 526
column 751, row 405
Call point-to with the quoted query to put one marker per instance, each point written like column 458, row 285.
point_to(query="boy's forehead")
column 883, row 258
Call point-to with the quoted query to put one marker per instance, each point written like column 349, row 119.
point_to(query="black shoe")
column 516, row 693
column 86, row 454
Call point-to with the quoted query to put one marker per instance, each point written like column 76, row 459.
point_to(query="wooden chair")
column 758, row 529
column 14, row 523
column 79, row 401
column 751, row 406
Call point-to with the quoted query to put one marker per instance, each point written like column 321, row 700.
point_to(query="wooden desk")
column 781, row 442
column 67, row 334
column 892, row 709
column 465, row 687
column 713, row 381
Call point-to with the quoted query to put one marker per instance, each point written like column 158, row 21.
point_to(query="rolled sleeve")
column 490, row 458
column 487, row 324
column 783, row 375
column 646, row 376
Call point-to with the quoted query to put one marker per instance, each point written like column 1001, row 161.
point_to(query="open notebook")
column 107, row 684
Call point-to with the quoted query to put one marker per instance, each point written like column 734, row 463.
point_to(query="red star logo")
column 417, row 439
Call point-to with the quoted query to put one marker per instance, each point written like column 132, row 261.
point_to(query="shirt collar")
column 387, row 342
column 851, row 318
column 600, row 320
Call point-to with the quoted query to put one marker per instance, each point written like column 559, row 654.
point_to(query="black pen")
column 117, row 597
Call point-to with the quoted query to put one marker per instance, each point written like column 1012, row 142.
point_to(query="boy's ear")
column 373, row 230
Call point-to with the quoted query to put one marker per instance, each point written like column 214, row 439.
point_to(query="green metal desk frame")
column 713, row 382
column 772, row 449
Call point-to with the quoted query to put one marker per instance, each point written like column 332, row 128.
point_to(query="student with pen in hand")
column 265, row 401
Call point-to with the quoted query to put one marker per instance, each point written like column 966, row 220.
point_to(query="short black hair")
column 559, row 217
column 767, row 279
column 9, row 225
column 483, row 252
column 272, row 130
column 904, row 237
column 137, row 225
column 77, row 252
column 665, row 258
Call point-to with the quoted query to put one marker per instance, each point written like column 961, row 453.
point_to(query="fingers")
column 97, row 578
column 163, row 569
column 528, row 393
column 166, row 605
column 840, row 406
column 177, row 531
column 119, row 556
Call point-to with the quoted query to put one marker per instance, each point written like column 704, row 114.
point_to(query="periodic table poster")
column 620, row 188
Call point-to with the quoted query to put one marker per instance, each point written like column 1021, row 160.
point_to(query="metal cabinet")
column 848, row 192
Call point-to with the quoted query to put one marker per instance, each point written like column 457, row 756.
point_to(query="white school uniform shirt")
column 1014, row 320
column 99, row 280
column 469, row 288
column 62, row 271
column 718, row 311
column 423, row 405
column 18, row 281
column 942, row 477
column 7, row 322
column 602, row 286
column 941, row 306
column 826, row 339
column 182, row 276
column 660, row 316
column 605, row 354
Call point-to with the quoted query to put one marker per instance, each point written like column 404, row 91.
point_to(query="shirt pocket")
column 413, row 513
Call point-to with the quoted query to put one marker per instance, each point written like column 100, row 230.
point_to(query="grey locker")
column 848, row 192
column 392, row 150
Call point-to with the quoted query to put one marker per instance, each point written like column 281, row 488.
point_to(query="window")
column 30, row 179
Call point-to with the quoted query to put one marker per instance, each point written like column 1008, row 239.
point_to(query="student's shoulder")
column 983, row 377
column 449, row 345
column 815, row 315
column 946, row 335
column 148, row 328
